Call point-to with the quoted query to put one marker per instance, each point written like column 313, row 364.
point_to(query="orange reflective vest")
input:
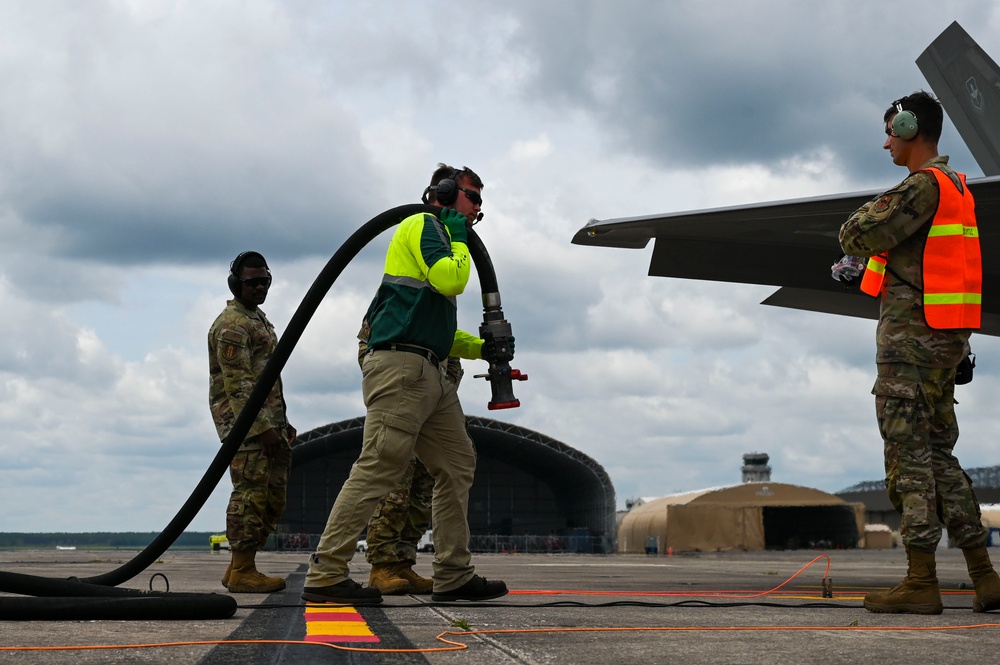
column 952, row 263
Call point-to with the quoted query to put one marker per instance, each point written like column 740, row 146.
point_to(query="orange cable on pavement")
column 459, row 646
column 700, row 594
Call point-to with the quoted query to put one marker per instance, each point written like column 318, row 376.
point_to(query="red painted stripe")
column 340, row 638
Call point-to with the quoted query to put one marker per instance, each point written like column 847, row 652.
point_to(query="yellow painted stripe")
column 338, row 628
column 330, row 609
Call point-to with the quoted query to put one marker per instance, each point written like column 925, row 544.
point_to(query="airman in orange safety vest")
column 925, row 266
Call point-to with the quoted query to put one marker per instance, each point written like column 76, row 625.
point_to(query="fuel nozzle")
column 496, row 334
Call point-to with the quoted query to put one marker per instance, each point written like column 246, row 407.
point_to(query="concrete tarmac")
column 727, row 607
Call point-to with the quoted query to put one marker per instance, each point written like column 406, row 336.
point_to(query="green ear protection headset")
column 904, row 123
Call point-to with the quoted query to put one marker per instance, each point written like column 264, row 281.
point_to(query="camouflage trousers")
column 915, row 407
column 401, row 518
column 260, row 485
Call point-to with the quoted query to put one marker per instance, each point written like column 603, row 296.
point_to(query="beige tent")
column 751, row 516
column 991, row 515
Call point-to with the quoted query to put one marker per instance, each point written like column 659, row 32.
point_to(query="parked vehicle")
column 426, row 543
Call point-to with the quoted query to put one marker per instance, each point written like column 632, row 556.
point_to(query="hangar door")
column 803, row 527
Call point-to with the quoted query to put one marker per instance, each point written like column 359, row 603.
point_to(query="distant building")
column 878, row 510
column 755, row 468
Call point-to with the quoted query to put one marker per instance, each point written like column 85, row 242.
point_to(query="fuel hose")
column 98, row 597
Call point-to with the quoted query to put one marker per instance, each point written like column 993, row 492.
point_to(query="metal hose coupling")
column 496, row 333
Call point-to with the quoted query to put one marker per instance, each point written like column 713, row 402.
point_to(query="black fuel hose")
column 230, row 445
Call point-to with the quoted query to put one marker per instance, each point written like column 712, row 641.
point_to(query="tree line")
column 98, row 540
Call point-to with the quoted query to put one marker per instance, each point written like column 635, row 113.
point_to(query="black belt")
column 408, row 348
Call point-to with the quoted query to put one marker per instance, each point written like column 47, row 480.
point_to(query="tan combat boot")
column 918, row 593
column 245, row 577
column 227, row 574
column 418, row 584
column 384, row 578
column 985, row 579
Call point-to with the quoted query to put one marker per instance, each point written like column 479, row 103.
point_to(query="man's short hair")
column 248, row 259
column 467, row 176
column 926, row 108
column 253, row 261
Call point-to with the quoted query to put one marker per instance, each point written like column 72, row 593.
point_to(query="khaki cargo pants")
column 412, row 409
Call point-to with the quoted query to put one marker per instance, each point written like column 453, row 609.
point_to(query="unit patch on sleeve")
column 883, row 204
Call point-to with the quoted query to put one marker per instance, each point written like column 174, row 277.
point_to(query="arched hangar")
column 527, row 486
column 751, row 516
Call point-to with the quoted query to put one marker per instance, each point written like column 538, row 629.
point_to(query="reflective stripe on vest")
column 953, row 267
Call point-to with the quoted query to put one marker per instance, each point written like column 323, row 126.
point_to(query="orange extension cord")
column 460, row 646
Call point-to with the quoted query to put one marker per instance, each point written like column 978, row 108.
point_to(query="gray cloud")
column 142, row 153
column 150, row 139
column 702, row 84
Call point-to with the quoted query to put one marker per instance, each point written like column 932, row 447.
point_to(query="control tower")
column 755, row 468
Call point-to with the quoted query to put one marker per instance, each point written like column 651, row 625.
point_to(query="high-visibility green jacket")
column 416, row 301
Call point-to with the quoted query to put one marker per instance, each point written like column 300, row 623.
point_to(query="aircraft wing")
column 789, row 244
column 792, row 244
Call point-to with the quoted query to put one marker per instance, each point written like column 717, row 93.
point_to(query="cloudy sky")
column 144, row 143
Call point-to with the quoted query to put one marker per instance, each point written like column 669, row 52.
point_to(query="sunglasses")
column 472, row 195
column 254, row 282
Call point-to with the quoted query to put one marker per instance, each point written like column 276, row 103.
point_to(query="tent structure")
column 991, row 520
column 991, row 515
column 751, row 516
column 527, row 486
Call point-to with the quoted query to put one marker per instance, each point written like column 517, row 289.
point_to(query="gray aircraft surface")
column 732, row 244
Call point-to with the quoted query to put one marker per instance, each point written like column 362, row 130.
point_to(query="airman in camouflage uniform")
column 402, row 516
column 240, row 342
column 914, row 389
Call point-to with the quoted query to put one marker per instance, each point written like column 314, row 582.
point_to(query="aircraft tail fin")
column 967, row 82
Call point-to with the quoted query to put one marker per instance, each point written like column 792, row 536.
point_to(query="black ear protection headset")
column 445, row 192
column 904, row 123
column 235, row 285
